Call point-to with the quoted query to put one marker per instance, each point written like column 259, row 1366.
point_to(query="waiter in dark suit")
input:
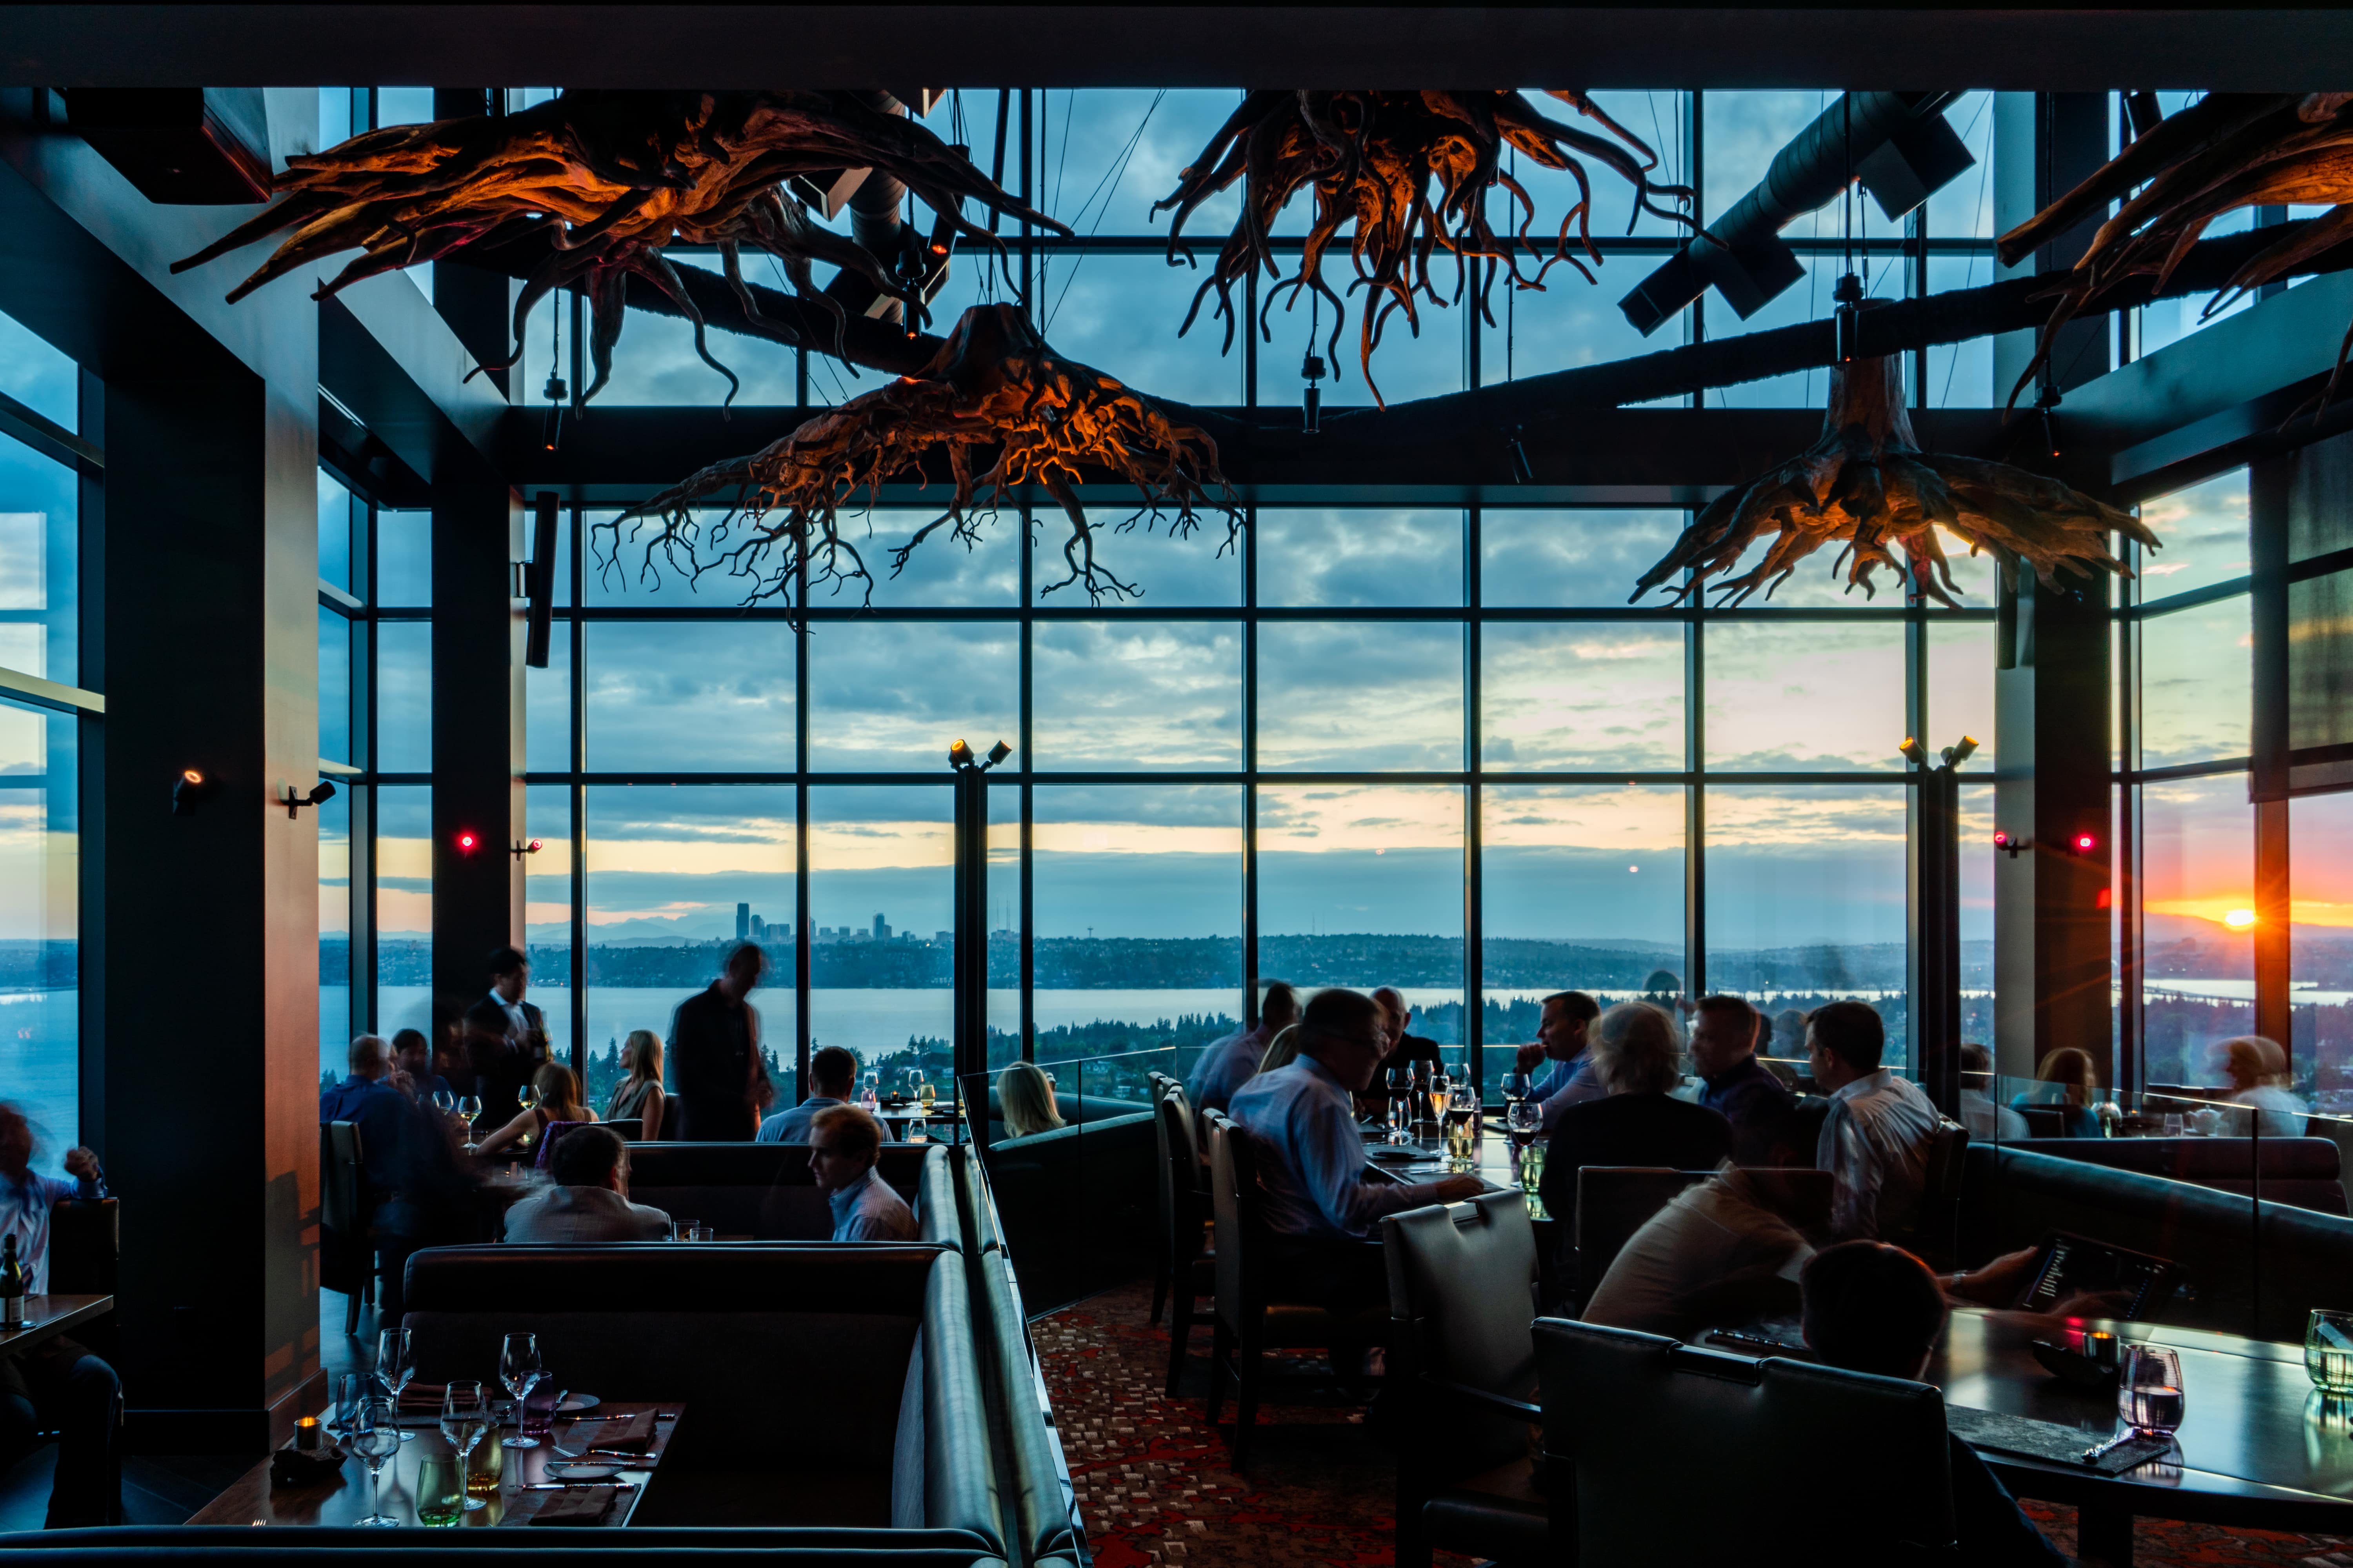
column 506, row 1037
column 714, row 1053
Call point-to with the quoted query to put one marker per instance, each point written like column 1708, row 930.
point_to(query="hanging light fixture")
column 551, row 430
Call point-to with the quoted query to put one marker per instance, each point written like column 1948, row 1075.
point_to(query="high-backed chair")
column 346, row 1242
column 1161, row 1084
column 1936, row 1234
column 1631, row 1418
column 1187, row 1267
column 1461, row 1283
column 1251, row 1320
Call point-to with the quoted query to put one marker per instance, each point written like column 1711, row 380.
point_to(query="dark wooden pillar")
column 2273, row 486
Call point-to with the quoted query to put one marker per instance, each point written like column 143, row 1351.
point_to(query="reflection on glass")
column 1361, row 697
column 2198, row 912
column 865, row 714
column 404, row 916
column 2320, row 957
column 1806, row 903
column 1964, row 208
column 547, row 706
column 403, row 696
column 1790, row 696
column 1978, row 863
column 404, row 559
column 1130, row 696
column 688, row 696
column 40, row 879
column 39, row 555
column 1582, row 697
column 2196, row 683
column 547, row 915
column 1359, row 555
column 881, row 892
column 1537, row 560
column 38, row 375
column 2202, row 531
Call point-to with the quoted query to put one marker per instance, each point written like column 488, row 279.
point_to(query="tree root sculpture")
column 1369, row 158
column 617, row 176
column 997, row 384
column 1867, row 483
column 2226, row 152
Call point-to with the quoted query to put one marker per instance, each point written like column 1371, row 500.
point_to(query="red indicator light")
column 2001, row 840
column 2085, row 843
column 465, row 842
column 534, row 846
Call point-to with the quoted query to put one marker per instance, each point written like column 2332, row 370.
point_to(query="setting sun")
column 2239, row 919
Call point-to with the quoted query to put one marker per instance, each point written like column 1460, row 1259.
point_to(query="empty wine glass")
column 2149, row 1396
column 375, row 1437
column 465, row 1418
column 1515, row 1086
column 391, row 1369
column 519, row 1369
column 469, row 1109
column 1399, row 1083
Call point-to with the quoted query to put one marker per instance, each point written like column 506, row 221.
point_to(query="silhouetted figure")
column 505, row 1035
column 714, row 1047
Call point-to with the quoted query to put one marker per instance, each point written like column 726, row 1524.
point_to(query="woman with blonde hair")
column 1025, row 1098
column 639, row 1097
column 1281, row 1050
column 2257, row 1069
column 2069, row 1079
column 559, row 1100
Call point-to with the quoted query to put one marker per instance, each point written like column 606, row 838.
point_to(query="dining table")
column 48, row 1316
column 343, row 1497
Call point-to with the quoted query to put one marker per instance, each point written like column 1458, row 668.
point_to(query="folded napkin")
column 636, row 1432
column 574, row 1505
column 2047, row 1440
column 423, row 1395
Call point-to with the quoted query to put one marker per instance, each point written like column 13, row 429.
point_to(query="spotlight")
column 1913, row 752
column 998, row 752
column 190, row 789
column 1955, row 755
column 1310, row 370
column 519, row 848
column 320, row 793
column 959, row 754
column 467, row 842
column 2010, row 843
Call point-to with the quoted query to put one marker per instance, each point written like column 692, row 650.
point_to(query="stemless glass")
column 469, row 1109
column 1462, row 1130
column 375, row 1437
column 2149, row 1396
column 926, row 1094
column 391, row 1369
column 519, row 1369
column 2328, row 1350
column 440, row 1491
column 465, row 1418
column 343, row 1410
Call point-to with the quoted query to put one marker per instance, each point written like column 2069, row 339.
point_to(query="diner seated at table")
column 1025, row 1099
column 1724, row 1252
column 1869, row 1307
column 640, row 1097
column 559, row 1100
column 2257, row 1071
column 1313, row 1192
column 1281, row 1050
column 833, row 1074
column 1560, row 1041
column 412, row 1067
column 1979, row 1114
column 367, row 1099
column 56, row 1385
column 1874, row 1141
column 1637, row 1123
column 589, row 1199
column 1737, row 1086
column 1228, row 1063
column 1403, row 1050
column 2066, row 1082
column 844, row 1143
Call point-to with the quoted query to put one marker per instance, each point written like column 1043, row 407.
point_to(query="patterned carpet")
column 1154, row 1485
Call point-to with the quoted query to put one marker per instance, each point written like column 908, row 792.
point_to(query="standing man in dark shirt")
column 1736, row 1085
column 506, row 1037
column 714, row 1049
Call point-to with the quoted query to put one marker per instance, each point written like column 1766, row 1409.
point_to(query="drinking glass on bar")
column 2328, row 1350
column 2149, row 1396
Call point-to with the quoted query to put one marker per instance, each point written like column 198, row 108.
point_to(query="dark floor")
column 165, row 1489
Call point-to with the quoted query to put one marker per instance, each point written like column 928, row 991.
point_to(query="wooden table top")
column 47, row 1317
column 343, row 1500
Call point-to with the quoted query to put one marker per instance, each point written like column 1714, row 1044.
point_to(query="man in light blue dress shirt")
column 56, row 1385
column 844, row 1143
column 1232, row 1062
column 1314, row 1191
column 833, row 1073
column 1560, row 1040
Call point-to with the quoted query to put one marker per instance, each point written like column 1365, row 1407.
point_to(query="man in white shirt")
column 1724, row 1251
column 1560, row 1040
column 56, row 1385
column 590, row 1200
column 833, row 1073
column 1874, row 1142
column 1228, row 1064
column 844, row 1143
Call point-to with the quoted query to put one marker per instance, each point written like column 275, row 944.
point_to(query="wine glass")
column 526, row 1097
column 519, row 1369
column 869, row 1091
column 1440, row 1088
column 464, row 1420
column 375, row 1437
column 1524, row 1119
column 392, row 1370
column 1399, row 1083
column 2150, row 1395
column 1516, row 1085
column 926, row 1095
column 470, row 1109
column 444, row 1102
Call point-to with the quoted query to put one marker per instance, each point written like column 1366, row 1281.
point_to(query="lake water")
column 40, row 1034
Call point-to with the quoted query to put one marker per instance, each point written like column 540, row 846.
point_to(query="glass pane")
column 1406, row 365
column 1125, row 696
column 1137, row 896
column 2198, row 903
column 686, row 696
column 1978, row 864
column 1807, row 299
column 625, row 568
column 893, row 694
column 1536, row 559
column 942, row 569
column 2320, row 957
column 334, row 533
column 1582, row 696
column 1585, row 888
column 1569, row 324
column 40, row 923
column 404, row 912
column 547, row 706
column 1960, row 375
column 1337, row 866
column 547, row 916
column 1120, row 315
column 338, row 1019
column 1108, row 154
column 1789, row 696
column 1359, row 556
column 40, row 518
column 654, row 363
column 404, row 697
column 667, row 868
column 1202, row 567
column 404, row 559
column 1338, row 696
column 882, row 919
column 1806, row 902
column 1961, row 688
column 1743, row 130
column 38, row 375
column 1964, row 208
column 2203, row 532
column 336, row 638
column 2196, row 684
column 334, row 117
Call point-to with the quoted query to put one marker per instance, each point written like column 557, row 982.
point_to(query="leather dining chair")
column 1936, row 1234
column 1188, row 1268
column 1463, row 1279
column 1161, row 1083
column 346, row 1223
column 1248, row 1321
column 1663, row 1455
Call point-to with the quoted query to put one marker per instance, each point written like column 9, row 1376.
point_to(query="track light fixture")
column 960, row 756
column 191, row 787
column 519, row 848
column 321, row 793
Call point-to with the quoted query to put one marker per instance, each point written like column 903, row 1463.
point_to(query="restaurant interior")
column 813, row 708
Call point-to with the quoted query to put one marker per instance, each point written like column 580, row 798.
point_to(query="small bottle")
column 12, row 1286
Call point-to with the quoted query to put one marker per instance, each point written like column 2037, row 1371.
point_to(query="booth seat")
column 2254, row 1267
column 833, row 1386
column 2305, row 1173
column 224, row 1546
column 1043, row 1518
column 1076, row 1110
column 767, row 1192
column 1090, row 1186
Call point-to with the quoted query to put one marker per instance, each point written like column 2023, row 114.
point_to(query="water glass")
column 393, row 1371
column 440, row 1491
column 519, row 1370
column 2149, row 1396
column 917, row 1132
column 375, row 1437
column 343, row 1410
column 2328, row 1350
column 465, row 1419
column 537, row 1415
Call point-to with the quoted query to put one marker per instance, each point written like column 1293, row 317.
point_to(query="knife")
column 2095, row 1455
